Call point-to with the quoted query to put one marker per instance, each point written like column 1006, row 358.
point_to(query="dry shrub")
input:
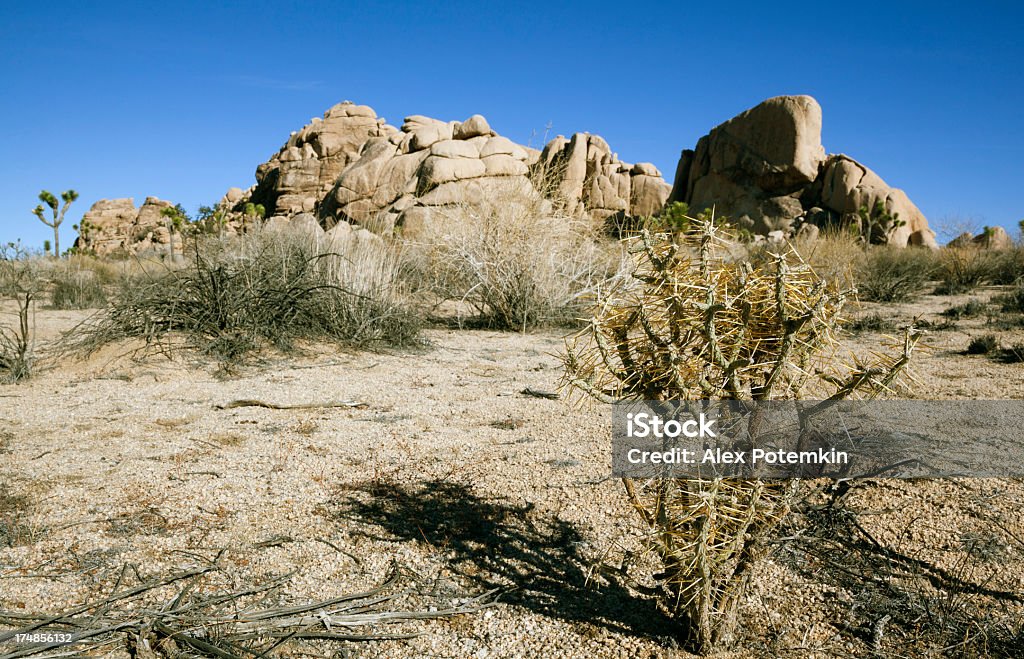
column 892, row 274
column 21, row 283
column 694, row 323
column 962, row 269
column 835, row 256
column 75, row 287
column 236, row 296
column 514, row 260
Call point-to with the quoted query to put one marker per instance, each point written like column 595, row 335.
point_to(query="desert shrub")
column 695, row 323
column 961, row 270
column 985, row 344
column 1014, row 354
column 517, row 263
column 1012, row 301
column 836, row 256
column 76, row 289
column 20, row 283
column 890, row 274
column 1007, row 266
column 969, row 309
column 264, row 289
column 871, row 323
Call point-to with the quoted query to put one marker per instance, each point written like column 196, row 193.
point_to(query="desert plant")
column 962, row 269
column 986, row 344
column 695, row 323
column 74, row 287
column 237, row 296
column 58, row 212
column 877, row 223
column 891, row 274
column 1012, row 301
column 20, row 283
column 871, row 323
column 513, row 260
column 969, row 309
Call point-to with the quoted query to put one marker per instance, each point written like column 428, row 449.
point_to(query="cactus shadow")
column 536, row 562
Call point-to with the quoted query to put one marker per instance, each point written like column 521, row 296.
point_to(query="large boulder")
column 766, row 170
column 307, row 166
column 584, row 176
column 116, row 226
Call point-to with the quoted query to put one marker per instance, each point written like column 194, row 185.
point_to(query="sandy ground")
column 442, row 467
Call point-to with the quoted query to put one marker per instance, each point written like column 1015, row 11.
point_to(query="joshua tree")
column 59, row 211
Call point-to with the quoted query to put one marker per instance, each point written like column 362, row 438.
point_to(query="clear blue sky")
column 182, row 100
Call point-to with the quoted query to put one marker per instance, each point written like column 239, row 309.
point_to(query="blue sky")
column 183, row 100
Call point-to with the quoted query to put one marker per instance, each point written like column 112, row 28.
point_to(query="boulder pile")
column 116, row 226
column 766, row 169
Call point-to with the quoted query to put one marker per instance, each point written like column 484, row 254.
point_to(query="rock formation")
column 990, row 238
column 115, row 226
column 353, row 167
column 767, row 170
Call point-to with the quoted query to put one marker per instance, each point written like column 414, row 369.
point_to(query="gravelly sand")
column 444, row 468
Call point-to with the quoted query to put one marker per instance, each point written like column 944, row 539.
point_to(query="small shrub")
column 237, row 296
column 871, row 323
column 20, row 282
column 76, row 289
column 890, row 274
column 1014, row 354
column 961, row 270
column 969, row 309
column 1007, row 266
column 514, row 261
column 1013, row 301
column 933, row 326
column 985, row 344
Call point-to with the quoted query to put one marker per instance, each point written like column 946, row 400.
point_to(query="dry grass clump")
column 76, row 288
column 696, row 323
column 515, row 261
column 236, row 296
column 891, row 274
column 962, row 269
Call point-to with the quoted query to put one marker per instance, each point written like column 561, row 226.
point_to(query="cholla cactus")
column 696, row 322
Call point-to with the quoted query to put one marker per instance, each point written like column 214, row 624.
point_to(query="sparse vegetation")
column 237, row 296
column 890, row 274
column 986, row 344
column 517, row 264
column 19, row 282
column 871, row 323
column 969, row 309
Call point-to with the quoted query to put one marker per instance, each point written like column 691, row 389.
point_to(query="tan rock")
column 436, row 170
column 501, row 164
column 455, row 149
column 475, row 125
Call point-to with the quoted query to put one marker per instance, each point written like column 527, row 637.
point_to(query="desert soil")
column 441, row 466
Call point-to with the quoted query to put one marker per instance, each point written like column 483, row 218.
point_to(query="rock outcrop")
column 767, row 170
column 584, row 175
column 301, row 174
column 990, row 238
column 353, row 167
column 116, row 226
